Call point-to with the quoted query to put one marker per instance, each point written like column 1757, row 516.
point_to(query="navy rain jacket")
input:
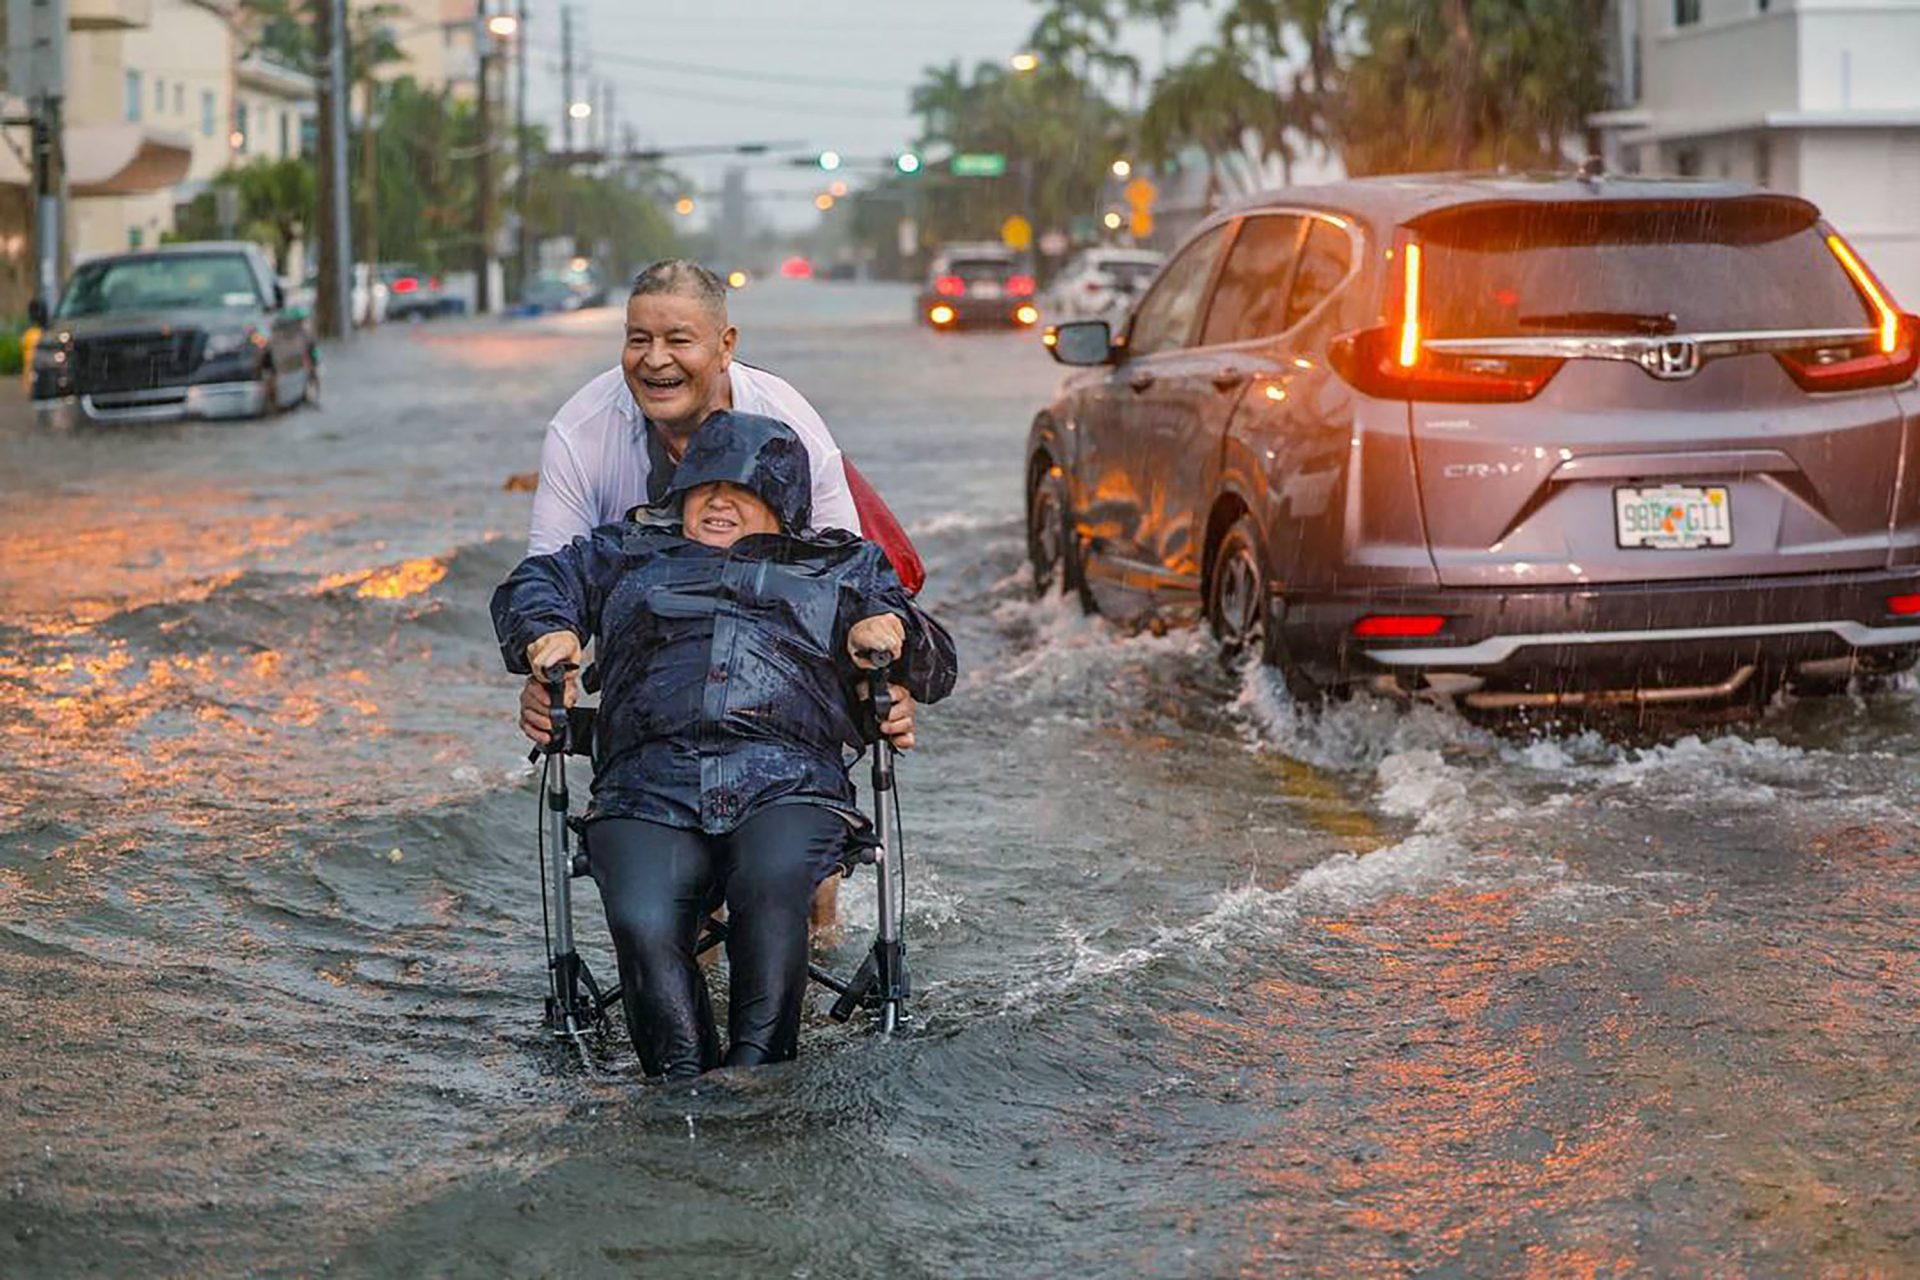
column 725, row 683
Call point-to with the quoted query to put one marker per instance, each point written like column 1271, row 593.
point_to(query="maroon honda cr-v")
column 1520, row 441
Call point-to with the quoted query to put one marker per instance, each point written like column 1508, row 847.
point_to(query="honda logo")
column 1673, row 359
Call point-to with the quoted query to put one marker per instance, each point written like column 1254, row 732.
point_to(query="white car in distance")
column 1101, row 284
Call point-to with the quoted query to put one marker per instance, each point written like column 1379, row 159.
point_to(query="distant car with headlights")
column 1549, row 441
column 1102, row 283
column 199, row 330
column 976, row 284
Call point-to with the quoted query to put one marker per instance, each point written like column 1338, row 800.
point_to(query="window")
column 1636, row 267
column 1686, row 161
column 159, row 96
column 1328, row 258
column 133, row 96
column 206, row 112
column 179, row 98
column 286, row 134
column 1251, row 295
column 136, row 236
column 240, row 127
column 1686, row 13
column 1165, row 320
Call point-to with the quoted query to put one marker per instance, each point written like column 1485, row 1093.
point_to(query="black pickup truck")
column 183, row 331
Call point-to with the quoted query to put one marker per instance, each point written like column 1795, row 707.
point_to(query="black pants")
column 659, row 882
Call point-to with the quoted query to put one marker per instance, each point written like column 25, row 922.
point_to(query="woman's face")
column 719, row 515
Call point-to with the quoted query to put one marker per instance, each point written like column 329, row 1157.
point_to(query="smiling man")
column 618, row 442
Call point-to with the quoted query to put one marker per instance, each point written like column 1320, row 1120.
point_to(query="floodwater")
column 1208, row 986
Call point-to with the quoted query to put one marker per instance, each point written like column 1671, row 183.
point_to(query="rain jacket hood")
column 726, row 685
column 762, row 455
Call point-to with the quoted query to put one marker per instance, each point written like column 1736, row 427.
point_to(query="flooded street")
column 1208, row 985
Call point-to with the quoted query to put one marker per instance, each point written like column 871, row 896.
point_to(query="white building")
column 1820, row 98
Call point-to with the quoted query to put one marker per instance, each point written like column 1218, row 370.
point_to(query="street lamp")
column 684, row 206
column 1024, row 62
column 1112, row 220
column 829, row 160
column 1122, row 167
column 907, row 162
column 503, row 26
column 579, row 110
column 823, row 202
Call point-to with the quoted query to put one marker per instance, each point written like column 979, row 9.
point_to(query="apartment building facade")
column 1820, row 98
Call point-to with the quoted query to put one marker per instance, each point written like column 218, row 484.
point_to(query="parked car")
column 198, row 330
column 369, row 300
column 1516, row 441
column 413, row 294
column 976, row 284
column 569, row 290
column 1102, row 283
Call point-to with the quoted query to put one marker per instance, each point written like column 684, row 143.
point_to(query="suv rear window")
column 971, row 269
column 1695, row 266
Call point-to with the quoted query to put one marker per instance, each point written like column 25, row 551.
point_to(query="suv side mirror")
column 279, row 295
column 37, row 312
column 1081, row 342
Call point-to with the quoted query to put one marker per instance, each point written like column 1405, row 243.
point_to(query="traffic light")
column 907, row 162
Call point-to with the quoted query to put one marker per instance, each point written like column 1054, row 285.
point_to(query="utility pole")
column 523, row 240
column 36, row 71
column 335, row 301
column 609, row 140
column 483, row 168
column 566, row 78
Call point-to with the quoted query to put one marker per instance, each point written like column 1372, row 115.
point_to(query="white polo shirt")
column 593, row 466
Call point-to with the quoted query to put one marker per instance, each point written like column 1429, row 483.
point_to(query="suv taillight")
column 1020, row 286
column 1855, row 366
column 1388, row 361
column 1886, row 359
column 950, row 286
column 1369, row 360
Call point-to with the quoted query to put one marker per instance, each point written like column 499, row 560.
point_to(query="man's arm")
column 563, row 505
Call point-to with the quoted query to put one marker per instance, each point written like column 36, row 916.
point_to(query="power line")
column 743, row 75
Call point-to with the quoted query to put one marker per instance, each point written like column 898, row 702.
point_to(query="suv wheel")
column 1051, row 548
column 1237, row 609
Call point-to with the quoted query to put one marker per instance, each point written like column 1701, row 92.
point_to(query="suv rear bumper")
column 1675, row 634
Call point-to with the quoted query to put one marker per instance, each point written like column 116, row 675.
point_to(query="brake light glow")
column 405, row 284
column 1399, row 626
column 1410, row 309
column 950, row 286
column 1019, row 286
column 1886, row 315
column 1368, row 360
column 1903, row 606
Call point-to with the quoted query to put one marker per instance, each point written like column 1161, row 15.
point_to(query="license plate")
column 1673, row 517
column 985, row 289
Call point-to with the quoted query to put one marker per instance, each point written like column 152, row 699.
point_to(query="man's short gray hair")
column 686, row 279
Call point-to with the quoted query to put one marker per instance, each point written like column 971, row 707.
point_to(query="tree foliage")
column 275, row 201
column 1387, row 85
column 1057, row 132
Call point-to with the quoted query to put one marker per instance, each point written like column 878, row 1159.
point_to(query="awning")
column 112, row 160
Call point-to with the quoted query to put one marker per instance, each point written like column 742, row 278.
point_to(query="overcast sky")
column 827, row 74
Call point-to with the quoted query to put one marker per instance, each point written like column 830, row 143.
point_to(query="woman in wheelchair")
column 730, row 643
